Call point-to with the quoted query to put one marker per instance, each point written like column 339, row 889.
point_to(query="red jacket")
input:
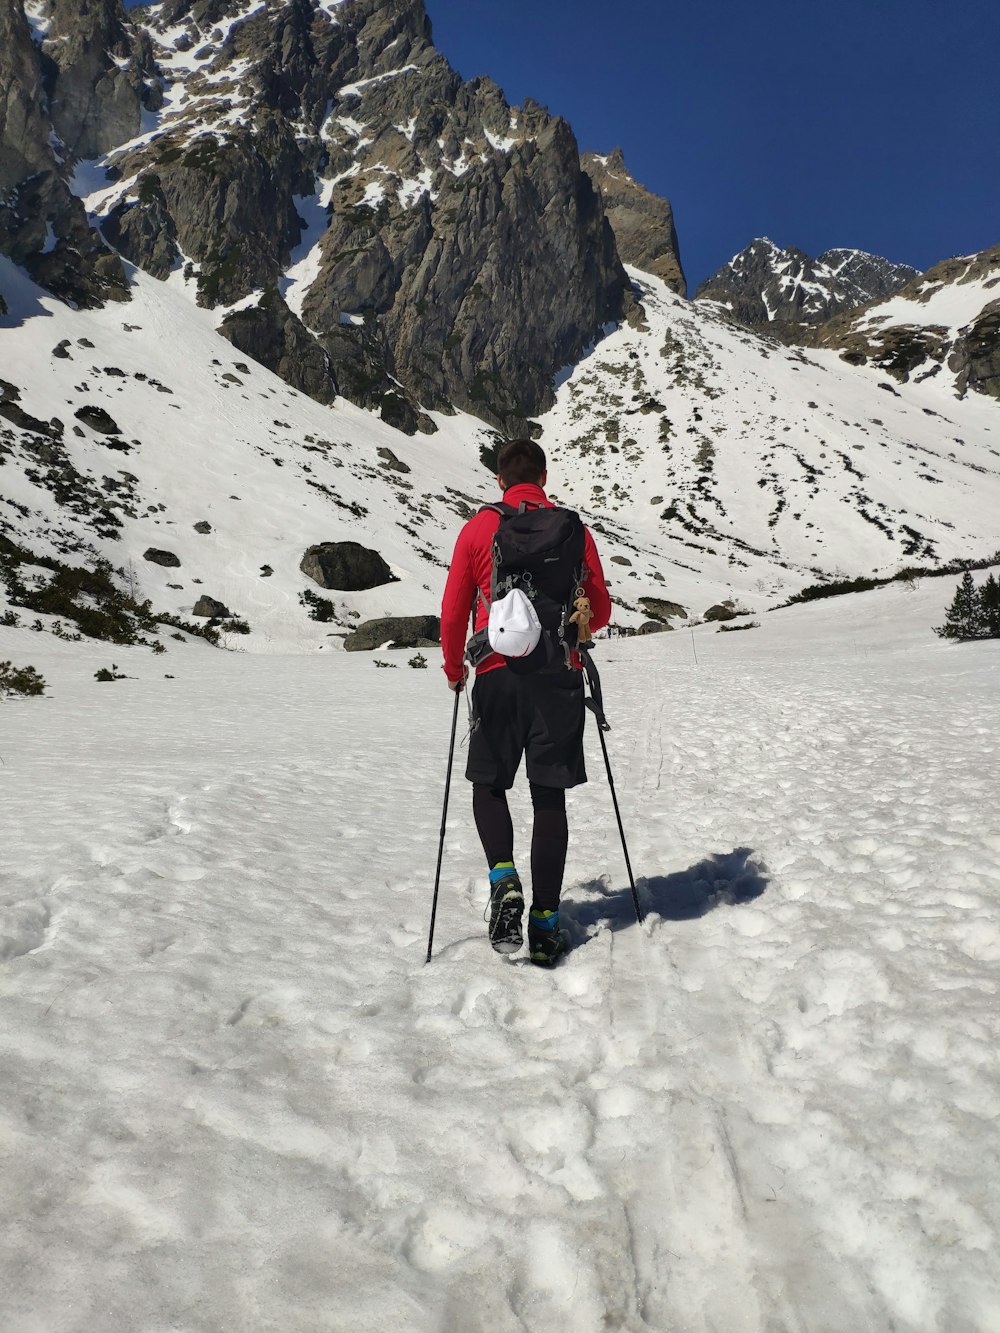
column 471, row 567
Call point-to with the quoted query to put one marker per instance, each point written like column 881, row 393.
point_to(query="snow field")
column 236, row 1097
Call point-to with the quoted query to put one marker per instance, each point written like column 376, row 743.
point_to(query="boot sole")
column 507, row 946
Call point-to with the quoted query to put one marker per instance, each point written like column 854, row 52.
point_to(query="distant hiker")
column 530, row 700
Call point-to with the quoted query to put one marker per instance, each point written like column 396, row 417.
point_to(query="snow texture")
column 235, row 1096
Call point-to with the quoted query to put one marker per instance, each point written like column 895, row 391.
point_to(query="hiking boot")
column 546, row 942
column 506, row 910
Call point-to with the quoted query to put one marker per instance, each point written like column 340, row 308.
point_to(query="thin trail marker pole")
column 694, row 649
column 444, row 820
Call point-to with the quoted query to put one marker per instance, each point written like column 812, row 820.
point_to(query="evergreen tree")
column 990, row 603
column 963, row 619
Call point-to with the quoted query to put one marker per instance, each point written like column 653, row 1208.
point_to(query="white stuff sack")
column 514, row 628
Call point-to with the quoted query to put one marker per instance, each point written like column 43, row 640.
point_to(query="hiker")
column 518, row 708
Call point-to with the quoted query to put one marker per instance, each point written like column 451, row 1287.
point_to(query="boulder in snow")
column 397, row 632
column 346, row 566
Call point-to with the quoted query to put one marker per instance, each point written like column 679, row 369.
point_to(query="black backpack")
column 541, row 552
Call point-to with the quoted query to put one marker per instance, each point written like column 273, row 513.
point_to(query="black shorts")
column 540, row 716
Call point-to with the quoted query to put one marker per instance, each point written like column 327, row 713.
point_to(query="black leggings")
column 549, row 837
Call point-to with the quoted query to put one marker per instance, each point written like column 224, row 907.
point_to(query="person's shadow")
column 721, row 880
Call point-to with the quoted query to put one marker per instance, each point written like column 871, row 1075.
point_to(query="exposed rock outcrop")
column 976, row 356
column 42, row 225
column 396, row 631
column 165, row 558
column 272, row 335
column 910, row 339
column 459, row 254
column 211, row 608
column 661, row 609
column 643, row 222
column 347, row 566
column 99, row 70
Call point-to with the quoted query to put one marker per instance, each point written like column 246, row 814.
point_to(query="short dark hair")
column 521, row 461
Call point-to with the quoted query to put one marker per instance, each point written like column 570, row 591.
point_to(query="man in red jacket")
column 539, row 716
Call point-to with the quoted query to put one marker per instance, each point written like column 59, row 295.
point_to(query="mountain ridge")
column 253, row 401
column 783, row 289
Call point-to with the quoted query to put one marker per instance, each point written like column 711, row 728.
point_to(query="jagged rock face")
column 42, row 225
column 272, row 335
column 458, row 252
column 142, row 229
column 784, row 288
column 100, row 74
column 976, row 356
column 643, row 223
column 915, row 346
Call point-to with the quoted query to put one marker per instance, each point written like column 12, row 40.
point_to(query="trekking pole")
column 596, row 705
column 444, row 820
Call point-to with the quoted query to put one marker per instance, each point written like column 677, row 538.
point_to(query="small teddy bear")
column 581, row 619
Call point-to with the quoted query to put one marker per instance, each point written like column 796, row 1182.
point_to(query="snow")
column 769, row 446
column 89, row 182
column 235, row 1096
column 305, row 261
column 38, row 19
column 411, row 190
column 502, row 144
column 954, row 306
column 356, row 89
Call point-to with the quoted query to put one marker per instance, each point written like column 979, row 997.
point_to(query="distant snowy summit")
column 766, row 284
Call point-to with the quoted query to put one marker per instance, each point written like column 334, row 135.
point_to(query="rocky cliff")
column 643, row 222
column 408, row 238
column 43, row 226
column 785, row 289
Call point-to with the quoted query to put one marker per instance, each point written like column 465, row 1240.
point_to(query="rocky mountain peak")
column 783, row 288
column 643, row 222
column 321, row 165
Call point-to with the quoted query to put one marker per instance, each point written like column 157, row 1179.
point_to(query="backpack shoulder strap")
column 505, row 511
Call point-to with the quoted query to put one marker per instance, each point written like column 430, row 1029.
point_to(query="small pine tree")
column 962, row 619
column 989, row 598
column 975, row 612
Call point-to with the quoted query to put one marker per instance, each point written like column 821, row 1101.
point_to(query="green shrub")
column 319, row 608
column 20, row 680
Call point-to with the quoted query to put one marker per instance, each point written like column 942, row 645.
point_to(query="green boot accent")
column 546, row 942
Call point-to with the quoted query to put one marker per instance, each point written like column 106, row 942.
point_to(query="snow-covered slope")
column 735, row 454
column 943, row 326
column 713, row 464
column 235, row 1098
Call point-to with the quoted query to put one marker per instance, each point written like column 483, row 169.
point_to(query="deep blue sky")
column 819, row 123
